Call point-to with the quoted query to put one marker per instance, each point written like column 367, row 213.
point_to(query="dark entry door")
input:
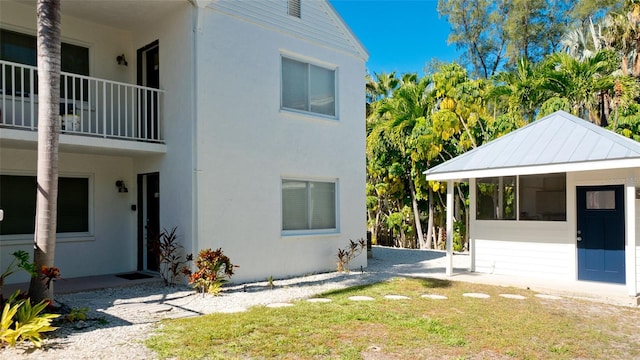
column 149, row 76
column 148, row 220
column 601, row 233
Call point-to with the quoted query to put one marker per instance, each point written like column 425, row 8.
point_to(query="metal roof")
column 559, row 142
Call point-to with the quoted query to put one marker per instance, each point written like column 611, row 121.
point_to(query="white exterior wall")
column 175, row 39
column 246, row 145
column 108, row 247
column 545, row 248
column 112, row 245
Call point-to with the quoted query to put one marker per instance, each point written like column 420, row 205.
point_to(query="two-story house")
column 240, row 122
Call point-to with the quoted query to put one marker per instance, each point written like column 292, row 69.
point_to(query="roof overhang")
column 625, row 163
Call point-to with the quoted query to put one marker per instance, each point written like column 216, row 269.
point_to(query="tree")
column 622, row 33
column 521, row 90
column 477, row 29
column 48, row 54
column 582, row 83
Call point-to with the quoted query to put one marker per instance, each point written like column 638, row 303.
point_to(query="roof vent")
column 294, row 8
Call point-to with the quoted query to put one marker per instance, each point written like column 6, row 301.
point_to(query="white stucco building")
column 239, row 122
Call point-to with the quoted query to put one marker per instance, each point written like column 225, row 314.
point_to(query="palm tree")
column 585, row 84
column 523, row 89
column 48, row 52
column 623, row 34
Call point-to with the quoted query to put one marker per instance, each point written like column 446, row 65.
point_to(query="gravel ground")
column 120, row 319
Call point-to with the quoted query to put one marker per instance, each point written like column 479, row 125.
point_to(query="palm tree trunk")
column 416, row 215
column 48, row 52
column 429, row 242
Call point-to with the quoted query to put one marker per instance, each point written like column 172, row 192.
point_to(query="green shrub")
column 22, row 321
column 214, row 269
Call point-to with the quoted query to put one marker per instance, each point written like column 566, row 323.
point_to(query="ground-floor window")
column 308, row 205
column 18, row 201
column 539, row 197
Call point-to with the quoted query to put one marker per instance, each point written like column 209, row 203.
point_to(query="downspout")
column 195, row 24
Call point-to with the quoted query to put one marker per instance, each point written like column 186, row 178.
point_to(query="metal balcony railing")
column 88, row 106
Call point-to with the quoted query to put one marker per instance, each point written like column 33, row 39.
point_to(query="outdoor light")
column 121, row 187
column 121, row 60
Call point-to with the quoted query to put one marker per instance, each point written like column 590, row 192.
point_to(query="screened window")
column 18, row 200
column 496, row 198
column 543, row 197
column 308, row 205
column 307, row 87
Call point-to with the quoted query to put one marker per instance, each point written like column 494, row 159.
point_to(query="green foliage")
column 22, row 321
column 349, row 253
column 20, row 262
column 171, row 255
column 77, row 314
column 214, row 269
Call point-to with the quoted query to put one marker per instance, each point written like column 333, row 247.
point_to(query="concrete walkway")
column 421, row 263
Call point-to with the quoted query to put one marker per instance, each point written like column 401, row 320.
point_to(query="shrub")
column 214, row 269
column 22, row 321
column 170, row 254
column 349, row 253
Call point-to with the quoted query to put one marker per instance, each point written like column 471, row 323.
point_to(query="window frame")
column 311, row 231
column 518, row 200
column 12, row 239
column 309, row 63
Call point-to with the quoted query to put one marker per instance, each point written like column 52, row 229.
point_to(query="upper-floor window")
column 21, row 48
column 307, row 87
column 294, row 8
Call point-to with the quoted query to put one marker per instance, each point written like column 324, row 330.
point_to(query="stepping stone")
column 361, row 298
column 513, row 296
column 548, row 297
column 397, row 297
column 434, row 297
column 476, row 295
column 319, row 300
column 279, row 305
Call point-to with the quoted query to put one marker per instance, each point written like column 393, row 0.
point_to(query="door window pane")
column 601, row 200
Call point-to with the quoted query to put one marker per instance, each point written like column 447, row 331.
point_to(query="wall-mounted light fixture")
column 121, row 60
column 121, row 187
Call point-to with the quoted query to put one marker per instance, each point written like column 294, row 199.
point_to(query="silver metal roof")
column 558, row 142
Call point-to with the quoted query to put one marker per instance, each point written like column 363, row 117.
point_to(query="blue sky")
column 400, row 35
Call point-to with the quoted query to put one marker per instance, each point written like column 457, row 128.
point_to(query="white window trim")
column 333, row 231
column 20, row 239
column 318, row 63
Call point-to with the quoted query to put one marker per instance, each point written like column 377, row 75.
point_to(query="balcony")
column 89, row 107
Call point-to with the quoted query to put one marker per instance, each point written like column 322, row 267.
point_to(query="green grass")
column 457, row 328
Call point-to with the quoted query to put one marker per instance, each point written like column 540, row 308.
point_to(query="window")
column 294, row 8
column 601, row 200
column 21, row 49
column 308, row 205
column 543, row 197
column 540, row 197
column 307, row 87
column 496, row 198
column 18, row 200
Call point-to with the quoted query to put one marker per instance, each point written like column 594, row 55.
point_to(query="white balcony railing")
column 88, row 106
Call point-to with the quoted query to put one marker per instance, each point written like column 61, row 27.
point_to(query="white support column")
column 449, row 264
column 631, row 231
column 472, row 219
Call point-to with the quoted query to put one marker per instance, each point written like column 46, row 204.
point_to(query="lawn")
column 456, row 328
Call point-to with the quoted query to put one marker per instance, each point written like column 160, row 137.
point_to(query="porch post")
column 631, row 231
column 449, row 264
column 472, row 218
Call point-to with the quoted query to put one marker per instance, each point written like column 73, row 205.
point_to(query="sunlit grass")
column 459, row 327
